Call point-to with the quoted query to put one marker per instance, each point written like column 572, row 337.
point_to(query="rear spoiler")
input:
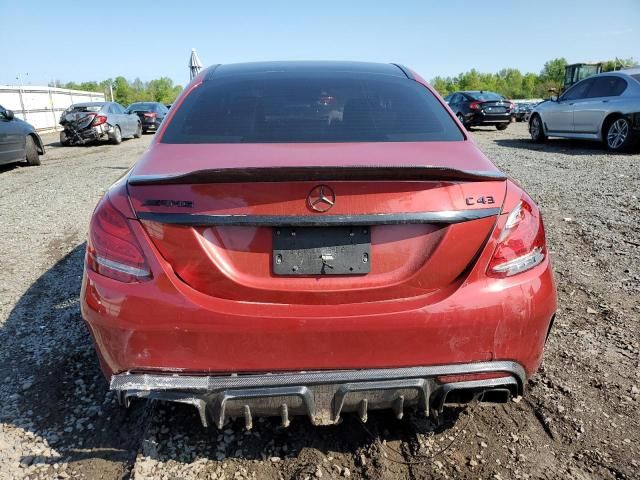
column 336, row 173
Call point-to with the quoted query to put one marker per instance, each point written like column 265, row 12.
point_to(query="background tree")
column 139, row 90
column 513, row 84
column 529, row 85
column 125, row 92
column 553, row 70
column 163, row 90
column 618, row 63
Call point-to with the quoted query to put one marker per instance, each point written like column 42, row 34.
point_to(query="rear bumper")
column 481, row 118
column 86, row 135
column 324, row 395
column 163, row 339
column 165, row 326
column 150, row 124
column 155, row 327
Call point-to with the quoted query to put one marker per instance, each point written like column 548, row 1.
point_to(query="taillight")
column 475, row 106
column 521, row 245
column 99, row 120
column 326, row 100
column 151, row 115
column 112, row 248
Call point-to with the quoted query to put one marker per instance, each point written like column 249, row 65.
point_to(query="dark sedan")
column 18, row 140
column 481, row 108
column 151, row 114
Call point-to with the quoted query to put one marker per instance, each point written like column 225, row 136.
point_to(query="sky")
column 81, row 41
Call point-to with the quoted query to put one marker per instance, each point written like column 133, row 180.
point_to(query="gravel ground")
column 579, row 419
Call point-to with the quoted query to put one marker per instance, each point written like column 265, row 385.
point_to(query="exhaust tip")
column 496, row 395
column 484, row 395
column 495, row 390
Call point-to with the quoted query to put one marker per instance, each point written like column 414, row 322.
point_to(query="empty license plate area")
column 321, row 250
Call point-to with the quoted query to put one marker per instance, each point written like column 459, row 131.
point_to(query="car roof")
column 90, row 104
column 259, row 68
column 628, row 71
column 625, row 74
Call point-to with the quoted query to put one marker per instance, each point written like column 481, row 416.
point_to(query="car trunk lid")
column 144, row 114
column 421, row 226
column 79, row 120
column 494, row 107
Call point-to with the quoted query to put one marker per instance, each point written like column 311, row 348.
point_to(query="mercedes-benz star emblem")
column 321, row 198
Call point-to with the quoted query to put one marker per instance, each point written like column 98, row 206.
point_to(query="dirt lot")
column 579, row 419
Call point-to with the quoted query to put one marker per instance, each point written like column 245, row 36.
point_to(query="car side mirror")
column 555, row 98
column 9, row 115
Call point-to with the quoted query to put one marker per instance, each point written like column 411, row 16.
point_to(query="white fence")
column 526, row 100
column 42, row 106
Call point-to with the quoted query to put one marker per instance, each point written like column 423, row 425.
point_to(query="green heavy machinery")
column 579, row 71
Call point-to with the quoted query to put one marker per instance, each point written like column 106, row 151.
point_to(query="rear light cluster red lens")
column 99, row 120
column 521, row 245
column 326, row 100
column 475, row 106
column 112, row 249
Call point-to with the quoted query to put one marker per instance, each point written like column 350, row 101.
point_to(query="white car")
column 604, row 107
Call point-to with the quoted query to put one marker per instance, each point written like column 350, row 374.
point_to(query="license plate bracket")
column 321, row 250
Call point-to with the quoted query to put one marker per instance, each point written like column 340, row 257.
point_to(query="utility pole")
column 111, row 90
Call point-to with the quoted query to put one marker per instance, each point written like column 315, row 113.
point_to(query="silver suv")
column 604, row 107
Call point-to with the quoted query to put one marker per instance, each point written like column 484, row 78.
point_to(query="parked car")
column 481, row 108
column 521, row 110
column 19, row 141
column 266, row 256
column 93, row 121
column 150, row 114
column 604, row 107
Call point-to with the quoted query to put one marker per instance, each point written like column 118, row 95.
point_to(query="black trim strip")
column 309, row 174
column 182, row 381
column 405, row 70
column 444, row 217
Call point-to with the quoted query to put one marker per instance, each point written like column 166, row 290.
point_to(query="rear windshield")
column 141, row 106
column 485, row 96
column 84, row 108
column 294, row 108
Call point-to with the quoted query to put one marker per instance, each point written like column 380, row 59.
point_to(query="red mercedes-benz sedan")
column 314, row 238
